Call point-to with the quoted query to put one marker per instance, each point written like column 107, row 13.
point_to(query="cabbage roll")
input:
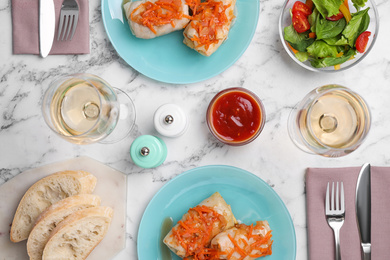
column 193, row 233
column 210, row 25
column 152, row 18
column 243, row 242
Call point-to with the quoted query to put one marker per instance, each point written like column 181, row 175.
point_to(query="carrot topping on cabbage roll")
column 158, row 13
column 244, row 242
column 196, row 231
column 211, row 17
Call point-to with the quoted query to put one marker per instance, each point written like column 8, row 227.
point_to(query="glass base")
column 126, row 121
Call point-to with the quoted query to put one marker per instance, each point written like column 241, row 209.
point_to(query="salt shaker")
column 170, row 120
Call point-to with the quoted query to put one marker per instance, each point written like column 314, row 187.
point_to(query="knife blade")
column 47, row 22
column 363, row 209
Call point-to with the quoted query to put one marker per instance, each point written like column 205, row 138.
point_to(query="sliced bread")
column 51, row 217
column 77, row 235
column 43, row 194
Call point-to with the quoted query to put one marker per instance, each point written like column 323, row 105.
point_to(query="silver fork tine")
column 60, row 28
column 66, row 26
column 337, row 197
column 332, row 197
column 70, row 25
column 75, row 20
column 66, row 21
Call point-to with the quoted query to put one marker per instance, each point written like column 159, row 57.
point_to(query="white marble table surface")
column 265, row 68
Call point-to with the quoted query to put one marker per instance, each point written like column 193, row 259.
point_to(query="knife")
column 47, row 20
column 363, row 209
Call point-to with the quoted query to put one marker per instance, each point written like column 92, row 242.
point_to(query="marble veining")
column 265, row 68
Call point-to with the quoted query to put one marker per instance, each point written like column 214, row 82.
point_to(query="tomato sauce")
column 236, row 116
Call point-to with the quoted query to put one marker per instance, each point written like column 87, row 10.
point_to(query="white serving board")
column 111, row 187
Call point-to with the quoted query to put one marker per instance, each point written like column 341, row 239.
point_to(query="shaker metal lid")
column 148, row 151
column 170, row 120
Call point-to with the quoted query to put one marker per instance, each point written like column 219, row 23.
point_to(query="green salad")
column 326, row 33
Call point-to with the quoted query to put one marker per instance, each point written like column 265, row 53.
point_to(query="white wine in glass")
column 331, row 121
column 84, row 109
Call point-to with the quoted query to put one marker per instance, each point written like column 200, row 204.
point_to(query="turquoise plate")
column 166, row 58
column 251, row 199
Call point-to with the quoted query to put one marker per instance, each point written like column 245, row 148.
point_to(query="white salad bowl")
column 285, row 20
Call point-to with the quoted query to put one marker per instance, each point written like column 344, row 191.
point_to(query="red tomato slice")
column 361, row 41
column 300, row 22
column 335, row 17
column 302, row 7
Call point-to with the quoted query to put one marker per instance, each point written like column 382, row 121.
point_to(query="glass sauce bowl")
column 235, row 116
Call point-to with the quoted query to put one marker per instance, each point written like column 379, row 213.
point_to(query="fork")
column 69, row 17
column 335, row 213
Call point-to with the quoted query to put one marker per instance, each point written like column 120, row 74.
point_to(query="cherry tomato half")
column 335, row 17
column 361, row 41
column 300, row 22
column 302, row 7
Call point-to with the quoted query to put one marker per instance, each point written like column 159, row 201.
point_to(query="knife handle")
column 366, row 251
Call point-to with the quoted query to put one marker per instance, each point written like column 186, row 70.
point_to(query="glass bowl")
column 285, row 20
column 235, row 116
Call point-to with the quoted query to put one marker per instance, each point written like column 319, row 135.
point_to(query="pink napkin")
column 25, row 31
column 320, row 235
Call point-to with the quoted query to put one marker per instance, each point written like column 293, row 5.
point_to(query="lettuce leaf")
column 312, row 18
column 320, row 49
column 359, row 3
column 328, row 8
column 332, row 61
column 358, row 24
column 302, row 56
column 299, row 41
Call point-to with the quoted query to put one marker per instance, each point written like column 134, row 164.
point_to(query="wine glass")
column 331, row 121
column 84, row 109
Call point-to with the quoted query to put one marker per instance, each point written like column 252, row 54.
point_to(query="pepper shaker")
column 148, row 151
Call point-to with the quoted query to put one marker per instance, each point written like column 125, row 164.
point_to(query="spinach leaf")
column 299, row 41
column 339, row 40
column 320, row 49
column 328, row 8
column 359, row 3
column 328, row 29
column 358, row 24
column 332, row 61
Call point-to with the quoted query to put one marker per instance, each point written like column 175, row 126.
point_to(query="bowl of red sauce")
column 235, row 116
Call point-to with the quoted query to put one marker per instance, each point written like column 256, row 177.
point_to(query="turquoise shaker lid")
column 148, row 151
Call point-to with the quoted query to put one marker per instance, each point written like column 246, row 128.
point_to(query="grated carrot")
column 293, row 50
column 257, row 247
column 157, row 14
column 195, row 232
column 207, row 19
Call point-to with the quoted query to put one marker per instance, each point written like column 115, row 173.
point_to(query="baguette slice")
column 51, row 217
column 43, row 194
column 77, row 235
